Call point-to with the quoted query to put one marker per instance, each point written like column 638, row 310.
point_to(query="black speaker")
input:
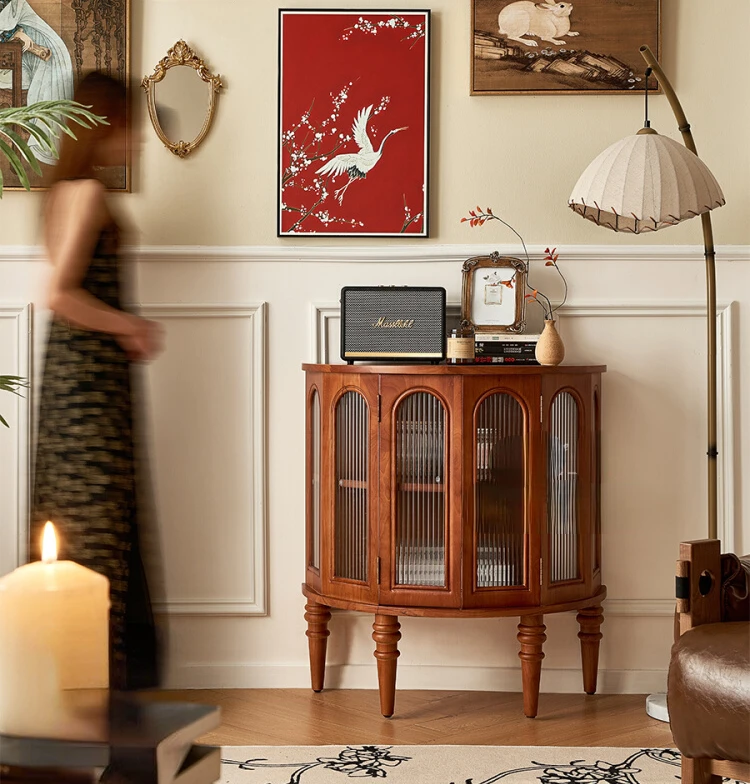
column 404, row 323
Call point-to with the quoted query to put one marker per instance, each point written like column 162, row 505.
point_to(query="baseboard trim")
column 410, row 676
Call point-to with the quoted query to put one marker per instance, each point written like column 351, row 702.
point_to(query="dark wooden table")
column 142, row 741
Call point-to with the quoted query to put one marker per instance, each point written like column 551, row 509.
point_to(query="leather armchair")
column 708, row 694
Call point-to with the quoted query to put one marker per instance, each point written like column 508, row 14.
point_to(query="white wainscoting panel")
column 208, row 396
column 15, row 442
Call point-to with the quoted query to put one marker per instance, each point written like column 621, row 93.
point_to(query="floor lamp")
column 644, row 183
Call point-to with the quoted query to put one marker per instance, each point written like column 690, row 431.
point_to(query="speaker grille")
column 396, row 323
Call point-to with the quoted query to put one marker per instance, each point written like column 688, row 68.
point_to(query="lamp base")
column 656, row 707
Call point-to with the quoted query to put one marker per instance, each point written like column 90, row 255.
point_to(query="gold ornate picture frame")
column 181, row 55
column 493, row 289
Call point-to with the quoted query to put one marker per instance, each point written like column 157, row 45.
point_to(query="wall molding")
column 21, row 315
column 271, row 675
column 257, row 603
column 413, row 252
column 726, row 316
column 728, row 520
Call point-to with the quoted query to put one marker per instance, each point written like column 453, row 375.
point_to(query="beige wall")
column 636, row 307
column 225, row 194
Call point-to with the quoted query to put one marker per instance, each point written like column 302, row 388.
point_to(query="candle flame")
column 49, row 543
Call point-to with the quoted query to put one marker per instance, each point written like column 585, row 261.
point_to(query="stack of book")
column 505, row 348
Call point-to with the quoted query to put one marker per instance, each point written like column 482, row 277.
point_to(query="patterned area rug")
column 448, row 765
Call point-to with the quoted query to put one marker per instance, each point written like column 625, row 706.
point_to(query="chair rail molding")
column 414, row 253
column 257, row 603
column 21, row 317
column 322, row 314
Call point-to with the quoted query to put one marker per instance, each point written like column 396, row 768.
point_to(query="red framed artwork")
column 353, row 150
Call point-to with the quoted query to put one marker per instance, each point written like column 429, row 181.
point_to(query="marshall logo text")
column 383, row 323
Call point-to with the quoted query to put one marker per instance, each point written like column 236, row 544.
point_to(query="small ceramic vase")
column 550, row 349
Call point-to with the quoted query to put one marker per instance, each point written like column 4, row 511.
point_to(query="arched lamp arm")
column 710, row 254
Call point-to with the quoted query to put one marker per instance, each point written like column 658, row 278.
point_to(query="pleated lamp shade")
column 644, row 183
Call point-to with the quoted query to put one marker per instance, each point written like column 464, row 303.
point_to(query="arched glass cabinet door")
column 420, row 508
column 314, row 510
column 563, row 502
column 499, row 493
column 351, row 522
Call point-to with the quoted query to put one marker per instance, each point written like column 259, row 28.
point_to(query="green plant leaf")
column 44, row 139
column 15, row 164
column 45, row 121
column 24, row 149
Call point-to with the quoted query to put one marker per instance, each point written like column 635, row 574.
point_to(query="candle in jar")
column 54, row 639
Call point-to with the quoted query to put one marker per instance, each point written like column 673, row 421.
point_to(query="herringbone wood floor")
column 291, row 717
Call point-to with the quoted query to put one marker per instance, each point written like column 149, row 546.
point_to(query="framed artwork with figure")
column 551, row 46
column 46, row 47
column 353, row 133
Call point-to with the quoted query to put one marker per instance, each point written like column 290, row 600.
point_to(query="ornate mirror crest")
column 180, row 55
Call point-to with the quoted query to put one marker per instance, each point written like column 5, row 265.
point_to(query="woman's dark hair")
column 107, row 97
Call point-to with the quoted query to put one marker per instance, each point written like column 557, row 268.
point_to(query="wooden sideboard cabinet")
column 458, row 491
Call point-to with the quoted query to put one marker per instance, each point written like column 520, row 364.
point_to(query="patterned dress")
column 85, row 477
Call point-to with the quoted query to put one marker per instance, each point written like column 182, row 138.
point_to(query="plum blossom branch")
column 408, row 217
column 363, row 25
column 305, row 143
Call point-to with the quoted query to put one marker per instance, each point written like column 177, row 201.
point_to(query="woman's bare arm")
column 75, row 221
column 78, row 216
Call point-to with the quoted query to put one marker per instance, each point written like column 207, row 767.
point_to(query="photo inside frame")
column 493, row 296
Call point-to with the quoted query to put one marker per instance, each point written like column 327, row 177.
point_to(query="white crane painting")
column 341, row 119
column 356, row 164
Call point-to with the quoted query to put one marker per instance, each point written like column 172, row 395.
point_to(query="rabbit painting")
column 545, row 20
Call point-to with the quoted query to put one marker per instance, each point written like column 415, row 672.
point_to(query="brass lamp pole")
column 646, row 182
column 708, row 244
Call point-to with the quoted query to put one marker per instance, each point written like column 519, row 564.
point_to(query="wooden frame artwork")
column 62, row 41
column 550, row 46
column 353, row 135
column 493, row 289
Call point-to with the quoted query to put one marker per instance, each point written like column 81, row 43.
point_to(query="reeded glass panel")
column 352, row 471
column 562, row 488
column 500, row 515
column 420, row 478
column 315, row 480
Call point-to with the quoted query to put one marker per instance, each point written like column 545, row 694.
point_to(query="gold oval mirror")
column 181, row 95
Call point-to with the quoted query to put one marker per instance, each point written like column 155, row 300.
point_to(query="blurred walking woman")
column 85, row 476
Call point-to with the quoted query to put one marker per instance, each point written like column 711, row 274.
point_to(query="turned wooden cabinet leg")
column 386, row 634
column 317, row 617
column 590, row 619
column 531, row 636
column 698, row 771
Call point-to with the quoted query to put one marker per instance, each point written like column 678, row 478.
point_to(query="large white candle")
column 54, row 638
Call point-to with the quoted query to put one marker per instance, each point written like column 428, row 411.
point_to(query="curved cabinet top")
column 457, row 370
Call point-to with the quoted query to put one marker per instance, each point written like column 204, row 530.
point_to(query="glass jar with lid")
column 460, row 348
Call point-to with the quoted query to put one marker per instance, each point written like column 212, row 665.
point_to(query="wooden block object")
column 700, row 566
